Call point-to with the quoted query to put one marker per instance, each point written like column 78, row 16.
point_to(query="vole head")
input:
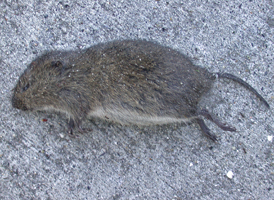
column 36, row 88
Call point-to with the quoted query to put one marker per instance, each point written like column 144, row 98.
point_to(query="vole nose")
column 17, row 103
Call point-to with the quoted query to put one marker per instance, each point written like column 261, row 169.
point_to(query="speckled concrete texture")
column 39, row 160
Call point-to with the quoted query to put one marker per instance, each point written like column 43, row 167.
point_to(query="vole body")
column 130, row 81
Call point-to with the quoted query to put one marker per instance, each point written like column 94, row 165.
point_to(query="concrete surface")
column 38, row 160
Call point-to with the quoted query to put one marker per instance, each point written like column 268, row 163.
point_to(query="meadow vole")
column 130, row 81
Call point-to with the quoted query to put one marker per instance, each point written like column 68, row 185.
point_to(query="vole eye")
column 25, row 88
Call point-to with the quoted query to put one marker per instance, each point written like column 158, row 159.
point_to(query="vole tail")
column 243, row 83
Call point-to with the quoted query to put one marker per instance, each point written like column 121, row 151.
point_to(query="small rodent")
column 129, row 81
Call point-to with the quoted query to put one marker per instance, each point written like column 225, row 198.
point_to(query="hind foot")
column 206, row 130
column 220, row 124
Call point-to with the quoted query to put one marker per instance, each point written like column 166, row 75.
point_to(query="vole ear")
column 55, row 67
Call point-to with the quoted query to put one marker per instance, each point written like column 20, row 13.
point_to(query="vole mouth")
column 24, row 108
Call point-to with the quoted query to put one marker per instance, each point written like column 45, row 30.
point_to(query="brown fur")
column 126, row 81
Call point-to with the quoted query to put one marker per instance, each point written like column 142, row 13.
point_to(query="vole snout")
column 18, row 103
